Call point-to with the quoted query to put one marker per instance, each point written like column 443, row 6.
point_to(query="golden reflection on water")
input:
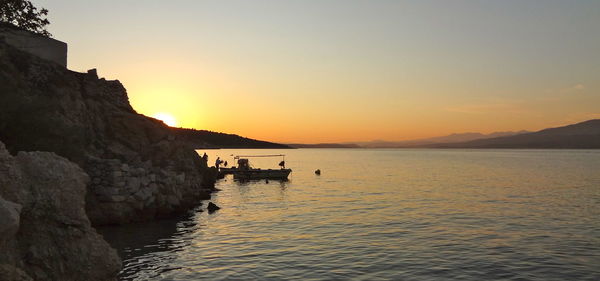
column 397, row 214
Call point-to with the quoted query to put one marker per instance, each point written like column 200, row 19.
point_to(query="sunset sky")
column 340, row 70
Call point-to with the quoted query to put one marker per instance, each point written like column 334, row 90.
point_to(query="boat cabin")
column 243, row 164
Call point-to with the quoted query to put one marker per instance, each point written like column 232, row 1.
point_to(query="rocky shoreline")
column 104, row 164
column 45, row 233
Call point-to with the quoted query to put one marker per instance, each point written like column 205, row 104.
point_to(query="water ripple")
column 399, row 215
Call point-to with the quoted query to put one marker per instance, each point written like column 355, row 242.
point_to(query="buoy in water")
column 318, row 172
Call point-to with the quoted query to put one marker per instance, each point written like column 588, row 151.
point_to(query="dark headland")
column 74, row 154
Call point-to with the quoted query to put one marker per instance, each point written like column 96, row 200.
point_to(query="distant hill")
column 203, row 139
column 580, row 136
column 323, row 145
column 453, row 138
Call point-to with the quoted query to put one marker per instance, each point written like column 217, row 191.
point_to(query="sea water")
column 385, row 214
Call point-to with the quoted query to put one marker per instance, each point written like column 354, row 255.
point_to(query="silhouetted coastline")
column 583, row 135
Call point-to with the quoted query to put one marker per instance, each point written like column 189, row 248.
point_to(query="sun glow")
column 166, row 118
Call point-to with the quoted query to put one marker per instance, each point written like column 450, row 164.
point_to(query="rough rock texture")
column 10, row 214
column 45, row 233
column 12, row 273
column 139, row 169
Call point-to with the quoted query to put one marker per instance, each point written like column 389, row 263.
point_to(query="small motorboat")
column 245, row 171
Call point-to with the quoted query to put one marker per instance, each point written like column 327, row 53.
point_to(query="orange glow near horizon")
column 166, row 118
column 343, row 71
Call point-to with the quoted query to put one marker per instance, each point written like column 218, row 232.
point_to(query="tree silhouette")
column 23, row 14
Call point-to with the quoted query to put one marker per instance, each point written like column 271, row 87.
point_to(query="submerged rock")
column 45, row 232
column 212, row 207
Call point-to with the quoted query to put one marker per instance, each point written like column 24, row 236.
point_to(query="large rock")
column 10, row 213
column 43, row 197
column 44, row 107
column 12, row 273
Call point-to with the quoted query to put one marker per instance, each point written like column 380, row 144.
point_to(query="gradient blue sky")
column 328, row 71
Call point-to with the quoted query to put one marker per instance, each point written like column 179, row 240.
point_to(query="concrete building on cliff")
column 35, row 44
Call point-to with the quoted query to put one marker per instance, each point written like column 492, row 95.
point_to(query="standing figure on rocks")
column 205, row 157
column 218, row 162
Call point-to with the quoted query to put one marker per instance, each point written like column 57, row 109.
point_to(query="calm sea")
column 386, row 214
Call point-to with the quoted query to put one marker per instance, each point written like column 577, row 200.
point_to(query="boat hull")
column 252, row 174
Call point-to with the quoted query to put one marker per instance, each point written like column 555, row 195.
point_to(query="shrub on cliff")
column 25, row 15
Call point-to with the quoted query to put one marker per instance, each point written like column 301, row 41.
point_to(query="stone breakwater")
column 45, row 233
column 126, row 192
column 114, row 181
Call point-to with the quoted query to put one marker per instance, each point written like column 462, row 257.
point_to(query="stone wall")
column 124, row 192
column 41, row 46
column 114, row 181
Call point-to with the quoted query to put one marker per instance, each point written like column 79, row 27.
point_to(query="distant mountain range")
column 453, row 138
column 581, row 135
column 324, row 145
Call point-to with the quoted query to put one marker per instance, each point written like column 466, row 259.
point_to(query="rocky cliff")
column 138, row 167
column 44, row 230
